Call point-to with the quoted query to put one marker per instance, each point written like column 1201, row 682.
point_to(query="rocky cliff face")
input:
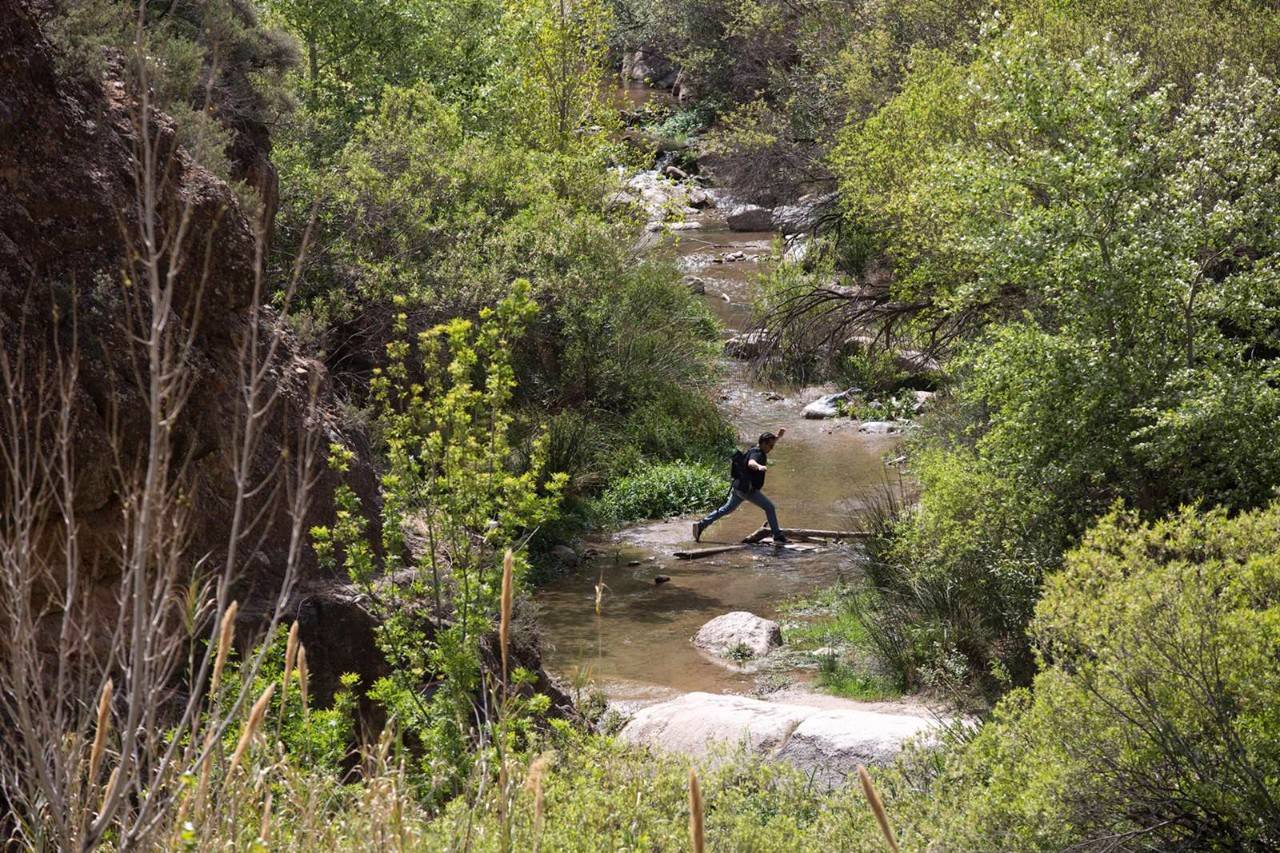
column 69, row 233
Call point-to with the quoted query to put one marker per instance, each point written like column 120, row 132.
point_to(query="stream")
column 638, row 650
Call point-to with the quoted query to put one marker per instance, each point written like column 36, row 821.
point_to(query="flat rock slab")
column 827, row 744
column 739, row 630
column 698, row 724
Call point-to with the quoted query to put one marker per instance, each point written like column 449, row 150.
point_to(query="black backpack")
column 737, row 466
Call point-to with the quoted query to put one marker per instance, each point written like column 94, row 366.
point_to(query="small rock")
column 660, row 579
column 633, row 562
column 701, row 199
column 737, row 630
column 676, row 173
column 695, row 284
column 565, row 555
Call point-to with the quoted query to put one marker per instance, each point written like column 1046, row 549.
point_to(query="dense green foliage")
column 1113, row 247
column 1074, row 206
column 454, row 484
column 432, row 182
column 1154, row 715
column 661, row 490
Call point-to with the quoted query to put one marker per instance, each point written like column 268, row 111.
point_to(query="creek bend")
column 639, row 649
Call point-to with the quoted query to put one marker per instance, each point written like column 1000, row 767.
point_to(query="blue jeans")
column 735, row 500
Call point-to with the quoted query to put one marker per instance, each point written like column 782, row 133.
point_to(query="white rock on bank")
column 827, row 744
column 827, row 406
column 739, row 630
column 696, row 724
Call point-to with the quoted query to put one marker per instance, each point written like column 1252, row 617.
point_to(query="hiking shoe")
column 697, row 531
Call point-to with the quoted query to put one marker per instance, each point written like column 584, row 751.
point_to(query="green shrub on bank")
column 1154, row 718
column 661, row 490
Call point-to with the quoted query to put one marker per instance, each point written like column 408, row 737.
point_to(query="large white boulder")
column 827, row 744
column 802, row 216
column 881, row 427
column 738, row 632
column 697, row 724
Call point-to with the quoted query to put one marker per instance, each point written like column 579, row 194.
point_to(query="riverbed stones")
column 566, row 555
column 827, row 744
column 650, row 67
column 739, row 634
column 801, row 217
column 750, row 217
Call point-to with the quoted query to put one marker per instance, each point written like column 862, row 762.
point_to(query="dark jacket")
column 751, row 479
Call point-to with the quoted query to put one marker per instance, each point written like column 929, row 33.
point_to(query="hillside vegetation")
column 327, row 323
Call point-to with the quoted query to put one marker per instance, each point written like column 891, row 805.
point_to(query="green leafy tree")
column 1120, row 249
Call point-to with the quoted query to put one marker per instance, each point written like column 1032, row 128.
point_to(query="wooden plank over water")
column 809, row 534
column 699, row 553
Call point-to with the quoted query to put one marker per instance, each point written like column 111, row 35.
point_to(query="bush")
column 663, row 489
column 1154, row 718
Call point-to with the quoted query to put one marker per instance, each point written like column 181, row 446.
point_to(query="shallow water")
column 639, row 647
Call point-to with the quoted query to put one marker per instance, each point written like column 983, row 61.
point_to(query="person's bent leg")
column 770, row 511
column 733, row 502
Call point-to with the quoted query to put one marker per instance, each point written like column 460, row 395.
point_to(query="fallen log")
column 808, row 533
column 699, row 553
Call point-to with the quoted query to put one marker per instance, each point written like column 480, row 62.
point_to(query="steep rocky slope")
column 69, row 234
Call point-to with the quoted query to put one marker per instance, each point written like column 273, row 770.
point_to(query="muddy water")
column 638, row 648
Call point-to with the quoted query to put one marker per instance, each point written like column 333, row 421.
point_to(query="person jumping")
column 746, row 486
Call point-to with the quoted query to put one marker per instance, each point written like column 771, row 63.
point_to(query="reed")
column 290, row 656
column 302, row 677
column 225, row 634
column 504, row 625
column 251, row 727
column 264, row 829
column 696, row 839
column 100, row 734
column 600, row 588
column 878, row 807
column 206, row 765
column 533, row 782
